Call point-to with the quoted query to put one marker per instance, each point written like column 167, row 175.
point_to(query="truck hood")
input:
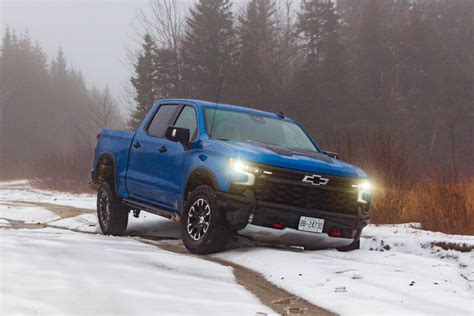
column 286, row 158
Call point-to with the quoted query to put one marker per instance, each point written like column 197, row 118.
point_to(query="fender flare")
column 109, row 155
column 200, row 171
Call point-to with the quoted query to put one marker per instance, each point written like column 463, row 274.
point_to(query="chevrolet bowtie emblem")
column 316, row 180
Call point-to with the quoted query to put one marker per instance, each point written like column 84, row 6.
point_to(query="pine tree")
column 311, row 28
column 166, row 80
column 372, row 54
column 209, row 48
column 257, row 49
column 323, row 78
column 145, row 76
column 59, row 66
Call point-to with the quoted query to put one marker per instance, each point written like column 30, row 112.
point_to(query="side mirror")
column 178, row 134
column 330, row 154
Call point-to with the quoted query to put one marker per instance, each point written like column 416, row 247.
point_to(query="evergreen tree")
column 372, row 51
column 311, row 27
column 322, row 82
column 209, row 48
column 59, row 66
column 257, row 53
column 166, row 80
column 143, row 81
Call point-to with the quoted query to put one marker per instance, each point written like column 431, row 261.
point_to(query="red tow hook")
column 335, row 233
column 277, row 225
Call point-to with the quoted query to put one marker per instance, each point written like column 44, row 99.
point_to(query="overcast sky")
column 93, row 34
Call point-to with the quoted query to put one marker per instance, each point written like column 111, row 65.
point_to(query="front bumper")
column 293, row 237
column 258, row 220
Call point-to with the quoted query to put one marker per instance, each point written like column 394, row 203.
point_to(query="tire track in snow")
column 274, row 297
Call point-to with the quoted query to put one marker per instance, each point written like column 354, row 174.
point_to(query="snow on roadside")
column 21, row 191
column 84, row 223
column 399, row 269
column 51, row 271
column 406, row 238
column 404, row 279
column 28, row 214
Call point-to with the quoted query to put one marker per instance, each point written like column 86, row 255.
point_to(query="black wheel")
column 355, row 245
column 203, row 228
column 112, row 214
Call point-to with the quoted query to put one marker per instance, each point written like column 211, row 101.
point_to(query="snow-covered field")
column 68, row 268
column 53, row 271
column 411, row 278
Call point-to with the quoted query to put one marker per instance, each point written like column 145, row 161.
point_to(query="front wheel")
column 112, row 214
column 203, row 228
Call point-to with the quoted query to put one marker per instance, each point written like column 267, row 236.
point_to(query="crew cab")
column 220, row 170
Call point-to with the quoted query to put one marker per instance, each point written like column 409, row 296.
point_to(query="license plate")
column 310, row 224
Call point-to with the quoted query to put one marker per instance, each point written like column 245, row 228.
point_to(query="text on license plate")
column 311, row 224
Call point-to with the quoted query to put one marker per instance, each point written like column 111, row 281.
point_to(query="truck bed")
column 117, row 144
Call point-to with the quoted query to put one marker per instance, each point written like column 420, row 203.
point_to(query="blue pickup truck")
column 220, row 169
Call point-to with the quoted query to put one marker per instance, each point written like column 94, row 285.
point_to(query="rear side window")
column 187, row 119
column 162, row 119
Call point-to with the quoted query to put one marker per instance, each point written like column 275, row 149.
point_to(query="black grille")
column 297, row 176
column 337, row 196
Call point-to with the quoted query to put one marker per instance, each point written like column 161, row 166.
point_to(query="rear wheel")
column 112, row 214
column 203, row 228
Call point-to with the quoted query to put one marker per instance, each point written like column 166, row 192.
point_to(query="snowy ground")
column 399, row 270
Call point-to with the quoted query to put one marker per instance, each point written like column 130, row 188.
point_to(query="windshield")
column 246, row 127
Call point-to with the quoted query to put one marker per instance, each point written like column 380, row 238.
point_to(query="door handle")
column 136, row 145
column 163, row 149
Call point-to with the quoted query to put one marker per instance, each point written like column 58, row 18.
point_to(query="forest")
column 388, row 84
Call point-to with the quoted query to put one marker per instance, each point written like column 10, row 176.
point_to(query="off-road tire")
column 215, row 238
column 112, row 214
column 354, row 246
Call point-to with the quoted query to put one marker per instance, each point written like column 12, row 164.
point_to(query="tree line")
column 352, row 72
column 47, row 112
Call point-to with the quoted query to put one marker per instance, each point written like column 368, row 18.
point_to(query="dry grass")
column 388, row 166
column 68, row 172
column 438, row 204
column 443, row 205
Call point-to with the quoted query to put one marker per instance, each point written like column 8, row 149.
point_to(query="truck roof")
column 223, row 106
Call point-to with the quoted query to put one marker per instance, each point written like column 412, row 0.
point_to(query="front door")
column 156, row 162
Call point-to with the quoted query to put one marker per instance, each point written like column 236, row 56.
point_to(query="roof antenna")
column 217, row 101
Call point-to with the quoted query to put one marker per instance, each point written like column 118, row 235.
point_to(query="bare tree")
column 164, row 23
column 103, row 109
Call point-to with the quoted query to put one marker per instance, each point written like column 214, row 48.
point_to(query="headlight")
column 365, row 192
column 365, row 186
column 245, row 168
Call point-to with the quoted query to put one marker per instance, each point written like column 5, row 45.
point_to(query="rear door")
column 148, row 162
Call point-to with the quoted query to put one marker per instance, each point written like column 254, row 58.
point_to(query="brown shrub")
column 387, row 164
column 66, row 171
column 443, row 205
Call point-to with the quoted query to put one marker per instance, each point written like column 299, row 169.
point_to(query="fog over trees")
column 349, row 72
column 46, row 111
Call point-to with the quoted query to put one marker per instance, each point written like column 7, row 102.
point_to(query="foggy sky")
column 93, row 34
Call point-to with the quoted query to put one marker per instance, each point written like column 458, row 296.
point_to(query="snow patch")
column 84, row 223
column 30, row 215
column 50, row 271
column 21, row 191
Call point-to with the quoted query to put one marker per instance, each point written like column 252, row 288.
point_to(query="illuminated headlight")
column 365, row 192
column 245, row 168
column 365, row 186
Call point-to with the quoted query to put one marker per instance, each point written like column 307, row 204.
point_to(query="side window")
column 187, row 119
column 162, row 120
